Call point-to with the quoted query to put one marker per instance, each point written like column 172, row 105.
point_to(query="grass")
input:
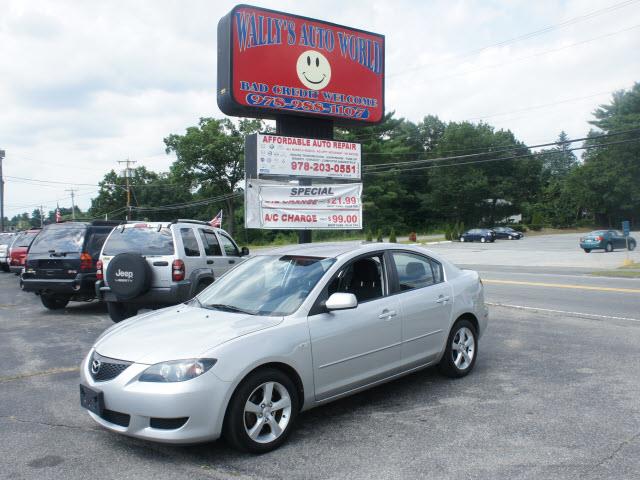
column 629, row 270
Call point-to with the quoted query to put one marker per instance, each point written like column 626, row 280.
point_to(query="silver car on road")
column 280, row 333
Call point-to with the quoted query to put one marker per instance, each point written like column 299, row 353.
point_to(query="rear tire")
column 587, row 250
column 121, row 311
column 54, row 302
column 455, row 362
column 462, row 239
column 483, row 240
column 251, row 394
column 608, row 247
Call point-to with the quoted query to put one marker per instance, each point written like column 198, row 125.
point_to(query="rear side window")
column 95, row 241
column 143, row 241
column 210, row 242
column 230, row 248
column 416, row 271
column 191, row 248
column 58, row 239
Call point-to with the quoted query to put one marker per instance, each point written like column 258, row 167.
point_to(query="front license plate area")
column 92, row 400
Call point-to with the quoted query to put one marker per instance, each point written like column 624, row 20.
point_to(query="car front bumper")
column 176, row 293
column 201, row 400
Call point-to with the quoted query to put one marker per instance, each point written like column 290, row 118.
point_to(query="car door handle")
column 160, row 264
column 232, row 261
column 387, row 314
column 209, row 262
column 442, row 299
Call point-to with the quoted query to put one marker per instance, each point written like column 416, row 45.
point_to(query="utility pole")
column 126, row 179
column 1, row 194
column 73, row 203
column 41, row 216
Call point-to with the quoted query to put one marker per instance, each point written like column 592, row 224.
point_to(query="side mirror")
column 341, row 301
column 244, row 252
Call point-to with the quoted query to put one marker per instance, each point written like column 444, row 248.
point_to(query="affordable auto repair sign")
column 272, row 63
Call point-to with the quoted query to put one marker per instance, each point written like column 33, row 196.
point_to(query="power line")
column 528, row 156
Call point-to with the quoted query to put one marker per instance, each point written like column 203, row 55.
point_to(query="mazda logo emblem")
column 95, row 366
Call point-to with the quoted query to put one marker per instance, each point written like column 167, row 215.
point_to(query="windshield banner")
column 290, row 207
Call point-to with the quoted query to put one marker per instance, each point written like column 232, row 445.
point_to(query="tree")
column 210, row 158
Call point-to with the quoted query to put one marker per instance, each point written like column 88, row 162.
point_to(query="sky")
column 85, row 84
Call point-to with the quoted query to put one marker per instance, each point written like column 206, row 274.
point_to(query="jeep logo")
column 124, row 275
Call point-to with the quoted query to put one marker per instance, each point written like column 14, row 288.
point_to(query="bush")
column 447, row 232
column 379, row 236
column 413, row 237
column 369, row 237
column 536, row 227
column 518, row 227
column 392, row 236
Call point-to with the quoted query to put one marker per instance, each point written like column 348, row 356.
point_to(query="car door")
column 352, row 348
column 425, row 301
column 193, row 255
column 230, row 250
column 215, row 259
column 618, row 239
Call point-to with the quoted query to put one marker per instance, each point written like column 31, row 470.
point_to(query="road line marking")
column 52, row 371
column 548, row 310
column 562, row 285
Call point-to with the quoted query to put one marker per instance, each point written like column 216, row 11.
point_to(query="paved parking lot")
column 552, row 396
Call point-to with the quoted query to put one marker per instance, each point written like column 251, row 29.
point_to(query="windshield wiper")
column 228, row 308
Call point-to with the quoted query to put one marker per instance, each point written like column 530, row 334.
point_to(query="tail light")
column 86, row 262
column 99, row 274
column 599, row 238
column 177, row 270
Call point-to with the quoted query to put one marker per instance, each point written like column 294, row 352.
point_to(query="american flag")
column 217, row 220
column 58, row 215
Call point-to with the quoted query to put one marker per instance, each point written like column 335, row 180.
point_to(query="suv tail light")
column 99, row 274
column 86, row 262
column 177, row 270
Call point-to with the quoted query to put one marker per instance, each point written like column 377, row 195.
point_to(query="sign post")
column 308, row 75
column 626, row 231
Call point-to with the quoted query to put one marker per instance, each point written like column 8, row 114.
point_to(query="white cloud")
column 84, row 84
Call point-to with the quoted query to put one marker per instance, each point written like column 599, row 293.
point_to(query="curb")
column 437, row 243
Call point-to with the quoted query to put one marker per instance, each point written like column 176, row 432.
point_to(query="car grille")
column 105, row 368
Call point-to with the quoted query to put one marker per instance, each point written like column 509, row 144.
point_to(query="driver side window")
column 363, row 278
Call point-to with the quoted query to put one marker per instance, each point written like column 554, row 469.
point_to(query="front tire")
column 462, row 239
column 483, row 240
column 120, row 311
column 608, row 247
column 261, row 412
column 462, row 350
column 54, row 302
column 632, row 246
column 587, row 250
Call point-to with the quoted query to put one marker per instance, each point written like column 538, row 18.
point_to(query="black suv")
column 61, row 265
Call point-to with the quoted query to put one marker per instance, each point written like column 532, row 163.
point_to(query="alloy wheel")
column 267, row 412
column 463, row 348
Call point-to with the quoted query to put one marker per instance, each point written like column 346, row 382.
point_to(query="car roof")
column 334, row 250
column 133, row 223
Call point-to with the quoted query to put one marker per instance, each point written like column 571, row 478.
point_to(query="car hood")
column 176, row 332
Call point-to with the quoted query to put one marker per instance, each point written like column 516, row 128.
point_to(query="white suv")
column 153, row 264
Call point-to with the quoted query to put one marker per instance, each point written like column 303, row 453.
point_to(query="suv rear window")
column 26, row 239
column 143, row 241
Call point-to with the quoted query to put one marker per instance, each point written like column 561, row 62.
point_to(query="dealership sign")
column 273, row 63
column 290, row 207
column 275, row 155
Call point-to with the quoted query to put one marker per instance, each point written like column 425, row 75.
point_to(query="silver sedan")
column 281, row 333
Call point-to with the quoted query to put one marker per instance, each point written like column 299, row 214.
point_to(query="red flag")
column 58, row 215
column 217, row 220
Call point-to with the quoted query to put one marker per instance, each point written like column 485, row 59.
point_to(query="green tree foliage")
column 210, row 159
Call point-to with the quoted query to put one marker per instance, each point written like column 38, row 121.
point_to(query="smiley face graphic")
column 314, row 70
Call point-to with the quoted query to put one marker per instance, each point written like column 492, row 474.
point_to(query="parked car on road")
column 152, row 264
column 280, row 333
column 61, row 265
column 606, row 240
column 478, row 235
column 19, row 249
column 6, row 239
column 507, row 233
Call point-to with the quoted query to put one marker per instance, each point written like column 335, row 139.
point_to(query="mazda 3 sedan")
column 281, row 333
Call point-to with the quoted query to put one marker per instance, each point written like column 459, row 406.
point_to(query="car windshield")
column 266, row 285
column 59, row 239
column 147, row 240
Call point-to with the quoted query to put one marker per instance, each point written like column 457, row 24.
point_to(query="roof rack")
column 187, row 220
column 105, row 223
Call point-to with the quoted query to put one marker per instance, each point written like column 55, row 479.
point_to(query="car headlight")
column 177, row 370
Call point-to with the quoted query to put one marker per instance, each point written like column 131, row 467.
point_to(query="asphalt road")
column 553, row 395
